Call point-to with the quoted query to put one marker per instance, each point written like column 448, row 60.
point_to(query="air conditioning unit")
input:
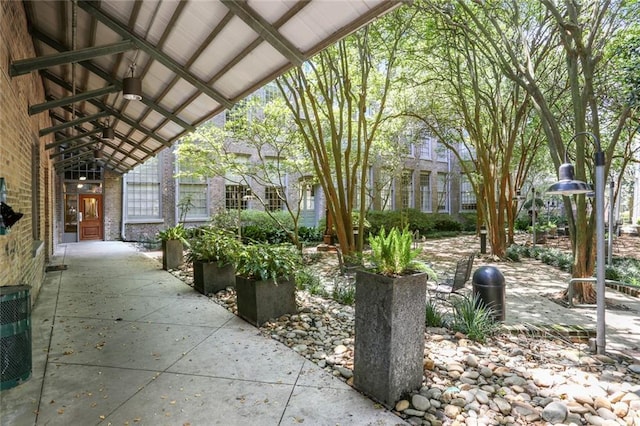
column 15, row 335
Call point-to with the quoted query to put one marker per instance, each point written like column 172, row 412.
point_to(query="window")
column 425, row 145
column 425, row 191
column 407, row 189
column 143, row 191
column 443, row 152
column 192, row 197
column 273, row 198
column 467, row 195
column 443, row 192
column 236, row 197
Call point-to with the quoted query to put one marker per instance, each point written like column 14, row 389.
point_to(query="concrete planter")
column 389, row 335
column 259, row 301
column 210, row 278
column 172, row 254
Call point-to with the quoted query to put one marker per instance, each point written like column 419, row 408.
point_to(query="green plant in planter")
column 392, row 254
column 177, row 232
column 268, row 261
column 215, row 245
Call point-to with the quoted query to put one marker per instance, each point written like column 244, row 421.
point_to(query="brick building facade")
column 24, row 163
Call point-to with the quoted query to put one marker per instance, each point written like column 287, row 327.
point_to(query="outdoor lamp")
column 567, row 186
column 108, row 133
column 132, row 87
column 9, row 217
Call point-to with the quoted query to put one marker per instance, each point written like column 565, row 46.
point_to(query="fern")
column 391, row 253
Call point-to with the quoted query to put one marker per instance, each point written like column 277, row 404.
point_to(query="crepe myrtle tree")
column 559, row 53
column 340, row 100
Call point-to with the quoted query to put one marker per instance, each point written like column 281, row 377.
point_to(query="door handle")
column 79, row 216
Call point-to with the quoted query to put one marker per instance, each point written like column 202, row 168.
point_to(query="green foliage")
column 432, row 316
column 391, row 254
column 262, row 234
column 414, row 220
column 268, row 261
column 522, row 223
column 513, row 253
column 473, row 318
column 177, row 232
column 310, row 234
column 215, row 245
column 469, row 222
column 627, row 270
column 306, row 280
column 344, row 293
column 550, row 256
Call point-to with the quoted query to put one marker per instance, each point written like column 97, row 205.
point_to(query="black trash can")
column 488, row 285
column 15, row 332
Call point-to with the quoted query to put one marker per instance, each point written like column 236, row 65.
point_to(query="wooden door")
column 91, row 219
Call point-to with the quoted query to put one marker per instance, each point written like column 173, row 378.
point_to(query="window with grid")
column 443, row 192
column 425, row 191
column 236, row 197
column 407, row 189
column 192, row 197
column 442, row 152
column 468, row 200
column 143, row 191
column 425, row 145
column 273, row 198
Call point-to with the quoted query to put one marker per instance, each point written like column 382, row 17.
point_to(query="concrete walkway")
column 118, row 341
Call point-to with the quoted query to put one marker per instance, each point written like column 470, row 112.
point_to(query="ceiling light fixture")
column 108, row 133
column 132, row 86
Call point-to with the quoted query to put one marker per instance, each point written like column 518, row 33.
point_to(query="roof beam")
column 242, row 10
column 25, row 66
column 74, row 158
column 117, row 83
column 71, row 123
column 71, row 138
column 157, row 55
column 114, row 146
column 116, row 114
column 36, row 109
column 73, row 148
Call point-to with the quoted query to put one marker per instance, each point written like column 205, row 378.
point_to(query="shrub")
column 268, row 261
column 432, row 317
column 309, row 234
column 344, row 292
column 513, row 252
column 306, row 280
column 522, row 223
column 473, row 318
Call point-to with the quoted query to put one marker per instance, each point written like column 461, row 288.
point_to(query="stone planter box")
column 259, row 301
column 172, row 254
column 209, row 278
column 389, row 335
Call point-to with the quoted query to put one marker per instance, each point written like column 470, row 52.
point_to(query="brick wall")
column 23, row 161
column 112, row 190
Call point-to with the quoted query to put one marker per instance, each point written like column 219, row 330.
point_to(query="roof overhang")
column 195, row 58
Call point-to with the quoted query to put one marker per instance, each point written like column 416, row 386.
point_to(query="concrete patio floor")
column 116, row 340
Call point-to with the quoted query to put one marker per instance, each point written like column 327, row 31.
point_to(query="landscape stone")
column 555, row 412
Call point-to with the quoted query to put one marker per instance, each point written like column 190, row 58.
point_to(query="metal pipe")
column 611, row 225
column 600, row 288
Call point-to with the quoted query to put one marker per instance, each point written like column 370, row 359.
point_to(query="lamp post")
column 567, row 186
column 610, row 236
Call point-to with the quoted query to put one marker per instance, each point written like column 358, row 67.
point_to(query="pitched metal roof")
column 195, row 59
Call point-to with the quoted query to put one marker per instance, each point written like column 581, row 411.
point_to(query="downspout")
column 124, row 198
